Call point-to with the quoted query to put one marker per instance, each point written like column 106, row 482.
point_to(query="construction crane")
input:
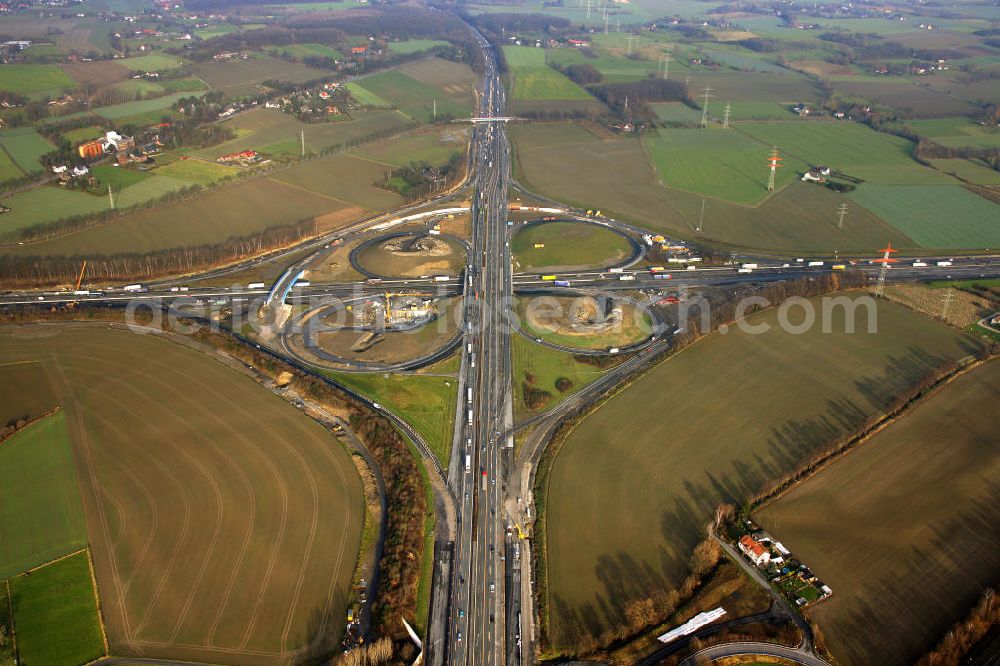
column 79, row 278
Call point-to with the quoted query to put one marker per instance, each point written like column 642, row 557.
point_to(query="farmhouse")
column 244, row 157
column 755, row 550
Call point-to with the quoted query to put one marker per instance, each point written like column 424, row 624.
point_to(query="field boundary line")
column 97, row 599
column 32, row 421
column 305, row 189
column 862, row 438
column 48, row 562
column 10, row 614
column 373, row 161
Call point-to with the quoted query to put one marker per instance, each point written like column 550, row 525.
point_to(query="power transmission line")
column 949, row 296
column 704, row 107
column 774, row 161
column 701, row 219
column 725, row 116
column 841, row 212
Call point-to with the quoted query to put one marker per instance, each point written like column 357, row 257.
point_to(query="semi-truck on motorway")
column 468, row 463
column 548, row 278
column 132, row 287
column 625, row 278
column 441, row 278
column 255, row 285
column 561, row 283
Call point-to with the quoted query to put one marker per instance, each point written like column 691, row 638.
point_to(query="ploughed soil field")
column 905, row 530
column 224, row 524
column 636, row 481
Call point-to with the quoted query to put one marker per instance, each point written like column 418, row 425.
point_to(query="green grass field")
column 307, row 50
column 44, row 204
column 635, row 482
column 40, row 508
column 426, row 403
column 676, row 112
column 848, row 147
column 202, row 172
column 153, row 108
column 277, row 133
column 613, row 68
column 25, row 146
column 118, row 177
column 545, row 366
column 904, row 528
column 615, row 176
column 56, row 616
column 82, row 134
column 971, row 171
column 415, row 45
column 34, row 79
column 412, row 88
column 243, row 77
column 366, row 97
column 718, row 163
column 955, row 132
column 8, row 170
column 534, row 80
column 936, row 216
column 220, row 517
column 568, row 246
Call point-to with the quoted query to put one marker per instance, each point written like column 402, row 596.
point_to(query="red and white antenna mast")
column 885, row 261
column 775, row 163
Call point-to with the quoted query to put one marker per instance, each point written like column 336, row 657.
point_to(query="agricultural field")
column 152, row 63
column 307, row 50
column 613, row 68
column 900, row 94
column 56, row 617
column 35, row 81
column 40, row 508
column 237, row 210
column 718, row 163
column 615, row 176
column 919, row 506
column 192, row 547
column 8, row 170
column 147, row 110
column 848, row 147
column 278, row 134
column 433, row 145
column 25, row 146
column 955, row 132
column 79, row 135
column 96, row 73
column 968, row 170
column 667, row 444
column 237, row 77
column 426, row 402
column 45, row 204
column 344, row 180
column 940, row 216
column 413, row 87
column 676, row 112
column 16, row 403
column 415, row 45
column 532, row 79
column 568, row 246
